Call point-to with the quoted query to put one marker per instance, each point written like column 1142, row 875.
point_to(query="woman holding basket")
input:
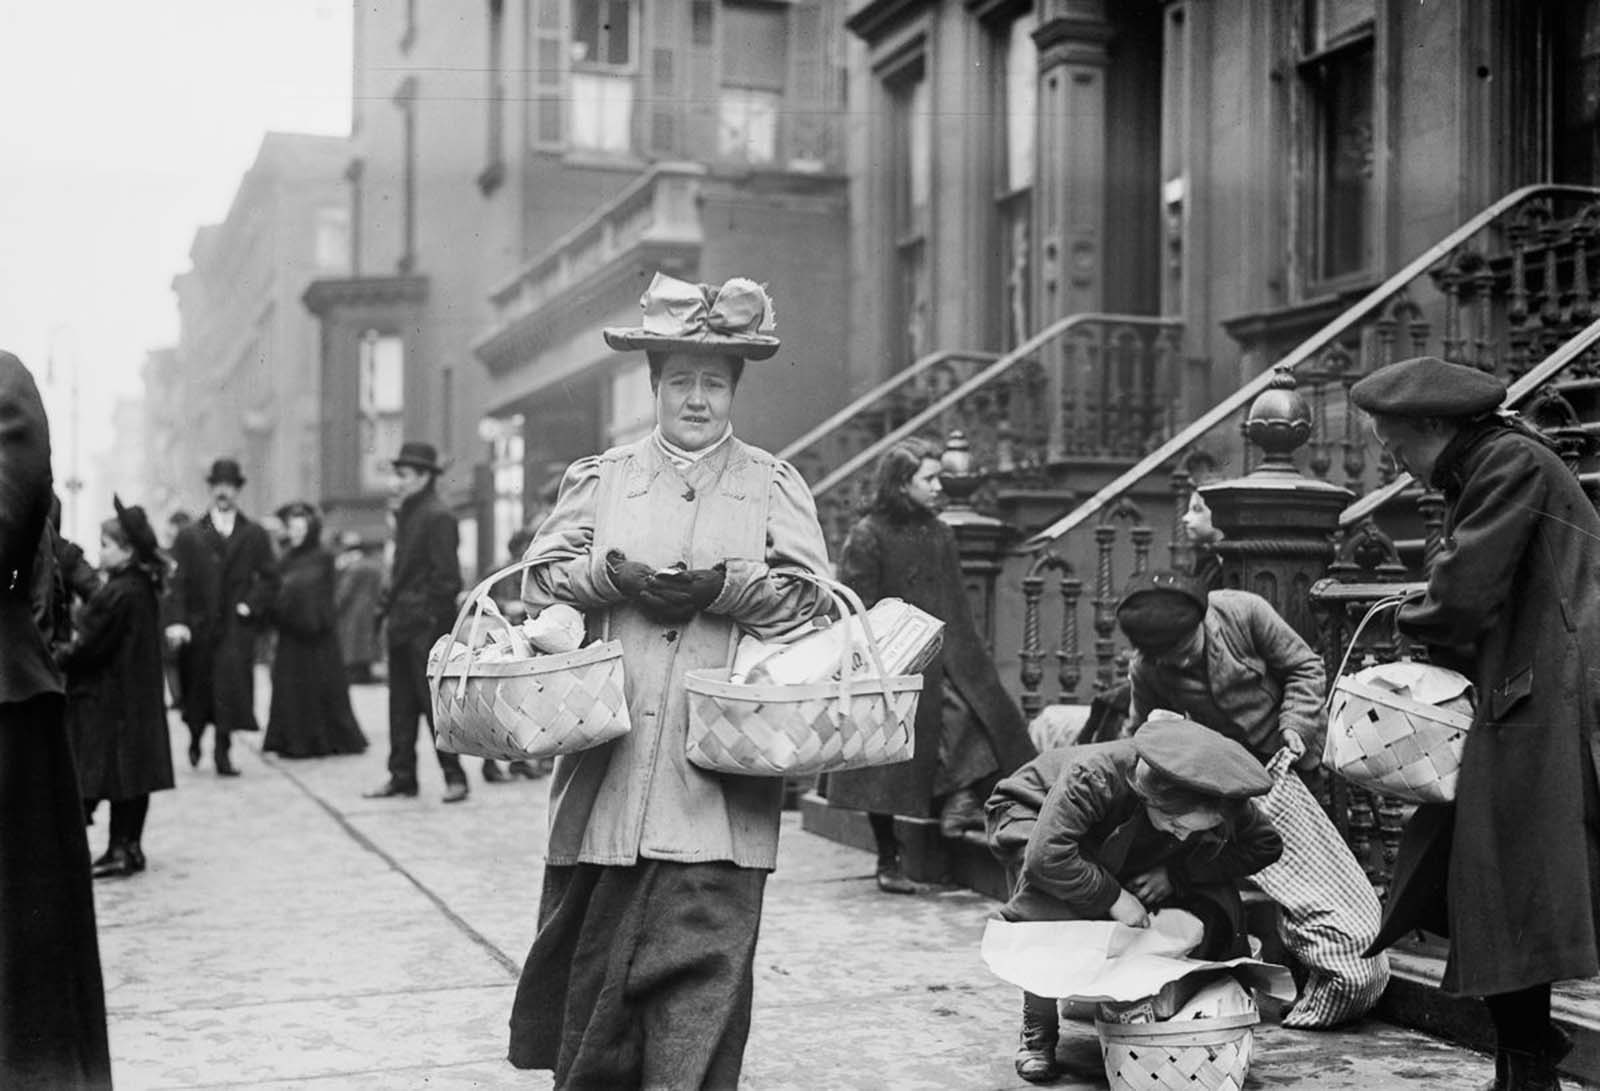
column 640, row 973
column 1510, row 871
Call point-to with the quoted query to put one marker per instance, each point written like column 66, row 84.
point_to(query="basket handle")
column 843, row 595
column 472, row 607
column 1355, row 638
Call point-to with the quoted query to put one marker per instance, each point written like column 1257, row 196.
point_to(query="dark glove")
column 679, row 595
column 631, row 577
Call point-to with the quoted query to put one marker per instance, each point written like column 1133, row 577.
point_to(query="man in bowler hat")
column 225, row 581
column 419, row 606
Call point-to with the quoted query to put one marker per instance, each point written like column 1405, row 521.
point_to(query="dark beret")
column 1200, row 759
column 1159, row 609
column 1426, row 386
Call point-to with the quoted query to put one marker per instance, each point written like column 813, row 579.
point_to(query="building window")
column 494, row 152
column 381, row 404
column 331, row 245
column 406, row 100
column 1337, row 81
column 910, row 189
column 755, row 60
column 507, row 474
column 602, row 54
column 632, row 407
column 546, row 85
column 1016, row 91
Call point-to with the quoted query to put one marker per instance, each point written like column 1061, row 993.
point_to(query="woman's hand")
column 676, row 595
column 632, row 578
column 1154, row 887
column 1128, row 910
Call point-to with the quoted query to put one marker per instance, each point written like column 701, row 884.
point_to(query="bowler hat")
column 419, row 455
column 1159, row 609
column 226, row 470
column 732, row 320
column 1426, row 386
column 1201, row 759
column 136, row 525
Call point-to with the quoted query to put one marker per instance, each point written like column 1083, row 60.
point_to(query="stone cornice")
column 323, row 296
column 879, row 17
column 1073, row 40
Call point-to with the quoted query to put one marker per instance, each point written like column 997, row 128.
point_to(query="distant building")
column 247, row 376
column 169, row 481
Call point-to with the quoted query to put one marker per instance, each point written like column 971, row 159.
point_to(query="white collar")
column 223, row 521
column 681, row 458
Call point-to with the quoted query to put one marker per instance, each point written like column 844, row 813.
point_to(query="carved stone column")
column 981, row 539
column 1278, row 523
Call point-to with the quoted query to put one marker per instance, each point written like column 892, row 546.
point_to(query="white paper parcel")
column 1104, row 960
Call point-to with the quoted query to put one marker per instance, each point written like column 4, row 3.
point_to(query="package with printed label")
column 908, row 640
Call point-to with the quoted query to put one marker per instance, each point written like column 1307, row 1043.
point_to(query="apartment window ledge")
column 598, row 160
column 490, row 178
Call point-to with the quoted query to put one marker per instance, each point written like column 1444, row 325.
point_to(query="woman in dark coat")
column 1511, row 872
column 968, row 730
column 355, row 599
column 116, row 706
column 310, row 714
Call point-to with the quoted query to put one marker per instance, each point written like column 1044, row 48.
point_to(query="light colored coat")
column 638, row 796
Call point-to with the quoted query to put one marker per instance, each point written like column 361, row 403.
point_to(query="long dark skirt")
column 640, row 976
column 310, row 714
column 52, row 1000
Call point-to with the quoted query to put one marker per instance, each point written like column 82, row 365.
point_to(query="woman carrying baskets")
column 1511, row 871
column 640, row 974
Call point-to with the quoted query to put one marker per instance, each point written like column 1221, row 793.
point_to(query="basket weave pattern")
column 1193, row 1055
column 1391, row 744
column 534, row 708
column 771, row 730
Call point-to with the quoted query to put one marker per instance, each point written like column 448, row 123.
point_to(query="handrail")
column 1307, row 349
column 1575, row 346
column 999, row 367
column 900, row 378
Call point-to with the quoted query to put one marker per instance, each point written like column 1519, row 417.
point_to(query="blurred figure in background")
column 310, row 714
column 115, row 711
column 174, row 657
column 358, row 583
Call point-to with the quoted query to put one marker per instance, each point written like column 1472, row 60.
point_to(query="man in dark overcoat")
column 358, row 584
column 1510, row 871
column 969, row 732
column 419, row 607
column 225, row 581
column 52, row 999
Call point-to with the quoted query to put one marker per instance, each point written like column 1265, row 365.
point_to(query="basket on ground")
column 1186, row 1054
column 1383, row 738
column 852, row 722
column 529, row 706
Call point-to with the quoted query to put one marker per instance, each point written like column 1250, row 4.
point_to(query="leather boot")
column 136, row 855
column 225, row 766
column 492, row 773
column 1558, row 1043
column 892, row 878
column 115, row 864
column 1036, row 1049
column 962, row 811
column 1529, row 1071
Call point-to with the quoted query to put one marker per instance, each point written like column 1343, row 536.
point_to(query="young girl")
column 116, row 707
column 1118, row 829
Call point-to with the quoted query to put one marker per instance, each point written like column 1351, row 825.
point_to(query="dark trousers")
column 409, row 702
column 52, row 1000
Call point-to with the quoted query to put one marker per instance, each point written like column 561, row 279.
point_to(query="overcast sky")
column 124, row 126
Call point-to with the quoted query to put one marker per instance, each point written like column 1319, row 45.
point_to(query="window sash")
column 602, row 112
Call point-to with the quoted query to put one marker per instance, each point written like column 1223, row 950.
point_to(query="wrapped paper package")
column 908, row 639
column 558, row 628
column 1106, row 961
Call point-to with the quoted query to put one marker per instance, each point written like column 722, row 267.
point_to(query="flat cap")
column 1199, row 758
column 1159, row 609
column 1426, row 386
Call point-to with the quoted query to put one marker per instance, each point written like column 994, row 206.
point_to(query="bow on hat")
column 678, row 315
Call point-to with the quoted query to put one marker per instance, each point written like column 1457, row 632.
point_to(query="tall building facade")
column 247, row 356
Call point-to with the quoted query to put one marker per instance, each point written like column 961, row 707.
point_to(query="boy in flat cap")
column 1161, row 819
column 1513, row 598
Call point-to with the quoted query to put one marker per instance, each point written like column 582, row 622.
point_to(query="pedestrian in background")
column 1511, row 870
column 419, row 607
column 116, row 711
column 174, row 657
column 358, row 582
column 969, row 732
column 225, row 581
column 310, row 714
column 52, row 998
column 641, row 973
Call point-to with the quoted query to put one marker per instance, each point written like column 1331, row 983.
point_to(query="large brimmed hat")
column 732, row 320
column 226, row 470
column 136, row 525
column 418, row 455
column 1426, row 386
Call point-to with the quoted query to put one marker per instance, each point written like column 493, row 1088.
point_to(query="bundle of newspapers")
column 908, row 640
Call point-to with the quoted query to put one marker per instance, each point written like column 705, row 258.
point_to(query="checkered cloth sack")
column 1330, row 913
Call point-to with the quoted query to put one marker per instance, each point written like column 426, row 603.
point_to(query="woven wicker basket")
column 1388, row 743
column 791, row 730
column 1180, row 1055
column 536, row 706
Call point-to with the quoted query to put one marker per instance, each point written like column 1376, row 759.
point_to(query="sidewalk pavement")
column 289, row 933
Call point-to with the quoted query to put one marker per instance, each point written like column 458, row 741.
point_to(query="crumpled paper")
column 1423, row 682
column 1108, row 961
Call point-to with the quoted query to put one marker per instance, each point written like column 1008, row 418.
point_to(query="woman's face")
column 112, row 553
column 1197, row 519
column 297, row 528
column 694, row 399
column 924, row 490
